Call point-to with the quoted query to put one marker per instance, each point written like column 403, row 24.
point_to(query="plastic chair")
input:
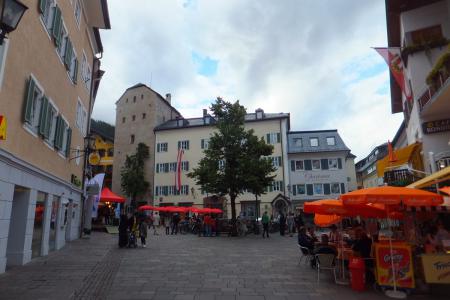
column 325, row 262
column 305, row 254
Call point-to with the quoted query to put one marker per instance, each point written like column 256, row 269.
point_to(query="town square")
column 224, row 149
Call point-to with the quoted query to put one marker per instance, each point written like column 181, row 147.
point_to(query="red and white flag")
column 393, row 58
column 178, row 172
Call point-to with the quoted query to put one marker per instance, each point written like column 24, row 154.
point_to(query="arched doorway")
column 280, row 204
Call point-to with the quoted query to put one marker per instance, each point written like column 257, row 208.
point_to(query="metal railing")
column 431, row 90
column 401, row 177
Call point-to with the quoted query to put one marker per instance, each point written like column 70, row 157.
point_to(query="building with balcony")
column 320, row 166
column 192, row 135
column 366, row 168
column 49, row 75
column 104, row 149
column 422, row 29
column 138, row 111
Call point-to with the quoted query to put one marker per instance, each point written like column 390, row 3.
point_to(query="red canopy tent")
column 108, row 196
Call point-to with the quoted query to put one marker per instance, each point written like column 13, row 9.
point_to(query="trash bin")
column 357, row 273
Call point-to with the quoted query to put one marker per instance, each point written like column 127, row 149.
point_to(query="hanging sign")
column 3, row 126
column 94, row 158
column 436, row 126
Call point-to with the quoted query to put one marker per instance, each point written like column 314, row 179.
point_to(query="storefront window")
column 38, row 225
column 53, row 223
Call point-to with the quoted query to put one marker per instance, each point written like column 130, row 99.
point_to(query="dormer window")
column 259, row 113
column 331, row 141
column 180, row 122
column 207, row 119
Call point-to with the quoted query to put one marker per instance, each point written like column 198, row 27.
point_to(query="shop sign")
column 3, row 126
column 94, row 158
column 436, row 126
column 436, row 268
column 401, row 255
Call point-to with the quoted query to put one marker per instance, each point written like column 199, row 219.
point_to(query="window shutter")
column 43, row 116
column 28, row 107
column 69, row 140
column 187, row 165
column 339, row 163
column 75, row 71
column 326, row 188
column 294, row 189
column 281, row 185
column 48, row 121
column 309, row 189
column 179, row 144
column 342, row 188
column 42, row 6
column 278, row 137
column 68, row 54
column 279, row 161
column 324, row 164
column 268, row 138
column 308, row 165
column 293, row 165
column 187, row 145
column 158, row 147
column 57, row 132
column 56, row 26
column 203, row 144
column 157, row 168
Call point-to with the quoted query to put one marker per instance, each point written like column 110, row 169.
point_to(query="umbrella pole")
column 393, row 293
column 343, row 280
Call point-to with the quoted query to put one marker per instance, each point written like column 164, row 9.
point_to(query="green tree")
column 132, row 174
column 234, row 160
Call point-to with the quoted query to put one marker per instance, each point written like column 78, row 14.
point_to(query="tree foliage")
column 133, row 182
column 235, row 160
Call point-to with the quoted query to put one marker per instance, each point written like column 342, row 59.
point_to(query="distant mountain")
column 103, row 129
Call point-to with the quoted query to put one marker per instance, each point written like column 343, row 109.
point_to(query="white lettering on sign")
column 313, row 177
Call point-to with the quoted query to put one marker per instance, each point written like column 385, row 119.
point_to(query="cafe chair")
column 325, row 262
column 305, row 255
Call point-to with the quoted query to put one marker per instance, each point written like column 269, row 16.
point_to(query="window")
column 183, row 145
column 111, row 152
column 34, row 101
column 173, row 167
column 161, row 147
column 134, row 99
column 333, row 163
column 133, row 117
column 81, row 119
column 276, row 161
column 144, row 115
column 78, row 12
column 298, row 142
column 316, row 164
column 64, row 42
column 63, row 136
column 331, row 141
column 47, row 10
column 424, row 35
column 185, row 189
column 318, row 189
column 52, row 117
column 273, row 138
column 101, row 152
column 185, row 166
column 132, row 139
column 314, row 142
column 221, row 164
column 276, row 186
column 204, row 144
column 123, row 119
column 335, row 188
column 142, row 96
column 86, row 72
column 299, row 189
column 299, row 165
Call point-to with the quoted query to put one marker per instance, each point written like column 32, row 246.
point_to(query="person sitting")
column 324, row 247
column 312, row 234
column 305, row 240
column 335, row 236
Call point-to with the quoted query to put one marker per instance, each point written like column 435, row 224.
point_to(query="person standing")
column 123, row 233
column 265, row 222
column 207, row 225
column 143, row 231
column 282, row 219
column 175, row 221
column 290, row 223
column 156, row 220
column 167, row 221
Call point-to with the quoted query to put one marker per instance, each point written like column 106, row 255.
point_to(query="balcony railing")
column 402, row 177
column 435, row 84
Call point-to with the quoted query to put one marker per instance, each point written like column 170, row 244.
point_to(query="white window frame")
column 205, row 143
column 312, row 165
column 273, row 138
column 314, row 189
column 62, row 151
column 303, row 165
column 51, row 137
column 277, row 186
column 3, row 54
column 296, row 142
column 276, row 161
column 314, row 139
column 47, row 19
column 33, row 125
column 71, row 71
column 329, row 138
column 78, row 8
column 330, row 164
column 81, row 117
column 297, row 186
column 184, row 144
column 61, row 50
column 221, row 164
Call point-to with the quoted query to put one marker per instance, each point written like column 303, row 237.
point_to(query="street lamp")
column 11, row 11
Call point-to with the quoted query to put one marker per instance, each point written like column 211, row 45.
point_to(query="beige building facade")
column 138, row 111
column 48, row 79
column 192, row 135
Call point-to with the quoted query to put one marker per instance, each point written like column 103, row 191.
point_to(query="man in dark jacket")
column 282, row 223
column 175, row 221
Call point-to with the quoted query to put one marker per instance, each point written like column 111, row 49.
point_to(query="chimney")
column 169, row 98
column 205, row 112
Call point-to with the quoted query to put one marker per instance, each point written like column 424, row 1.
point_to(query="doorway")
column 53, row 224
column 38, row 228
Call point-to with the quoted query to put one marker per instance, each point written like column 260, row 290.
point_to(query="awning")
column 434, row 178
column 108, row 196
column 403, row 156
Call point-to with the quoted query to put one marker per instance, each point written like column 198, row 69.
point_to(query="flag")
column 178, row 172
column 3, row 126
column 393, row 58
column 391, row 153
column 99, row 180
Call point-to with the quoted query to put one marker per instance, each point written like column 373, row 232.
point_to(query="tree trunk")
column 234, row 231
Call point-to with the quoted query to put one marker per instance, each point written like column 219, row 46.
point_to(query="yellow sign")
column 401, row 255
column 94, row 158
column 3, row 126
column 436, row 268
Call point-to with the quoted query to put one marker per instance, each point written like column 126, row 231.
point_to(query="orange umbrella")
column 326, row 220
column 445, row 190
column 337, row 207
column 391, row 153
column 392, row 195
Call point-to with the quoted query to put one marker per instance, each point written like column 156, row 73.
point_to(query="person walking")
column 175, row 221
column 123, row 233
column 265, row 222
column 156, row 221
column 143, row 226
column 167, row 221
column 282, row 219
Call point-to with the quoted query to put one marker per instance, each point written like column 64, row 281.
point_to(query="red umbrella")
column 108, row 196
column 215, row 211
column 148, row 207
column 445, row 190
column 176, row 209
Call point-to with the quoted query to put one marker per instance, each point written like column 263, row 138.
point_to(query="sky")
column 310, row 58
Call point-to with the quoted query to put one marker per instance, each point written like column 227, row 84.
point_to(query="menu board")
column 436, row 268
column 401, row 254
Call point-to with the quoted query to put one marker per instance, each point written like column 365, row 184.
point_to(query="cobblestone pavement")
column 175, row 267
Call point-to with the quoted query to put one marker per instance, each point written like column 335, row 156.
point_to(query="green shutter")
column 278, row 137
column 69, row 140
column 43, row 116
column 308, row 165
column 309, row 189
column 59, row 132
column 324, row 164
column 268, row 138
column 203, row 144
column 282, row 186
column 48, row 121
column 342, row 188
column 294, row 189
column 28, row 105
column 75, row 71
column 339, row 163
column 42, row 6
column 326, row 188
column 56, row 26
column 68, row 54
